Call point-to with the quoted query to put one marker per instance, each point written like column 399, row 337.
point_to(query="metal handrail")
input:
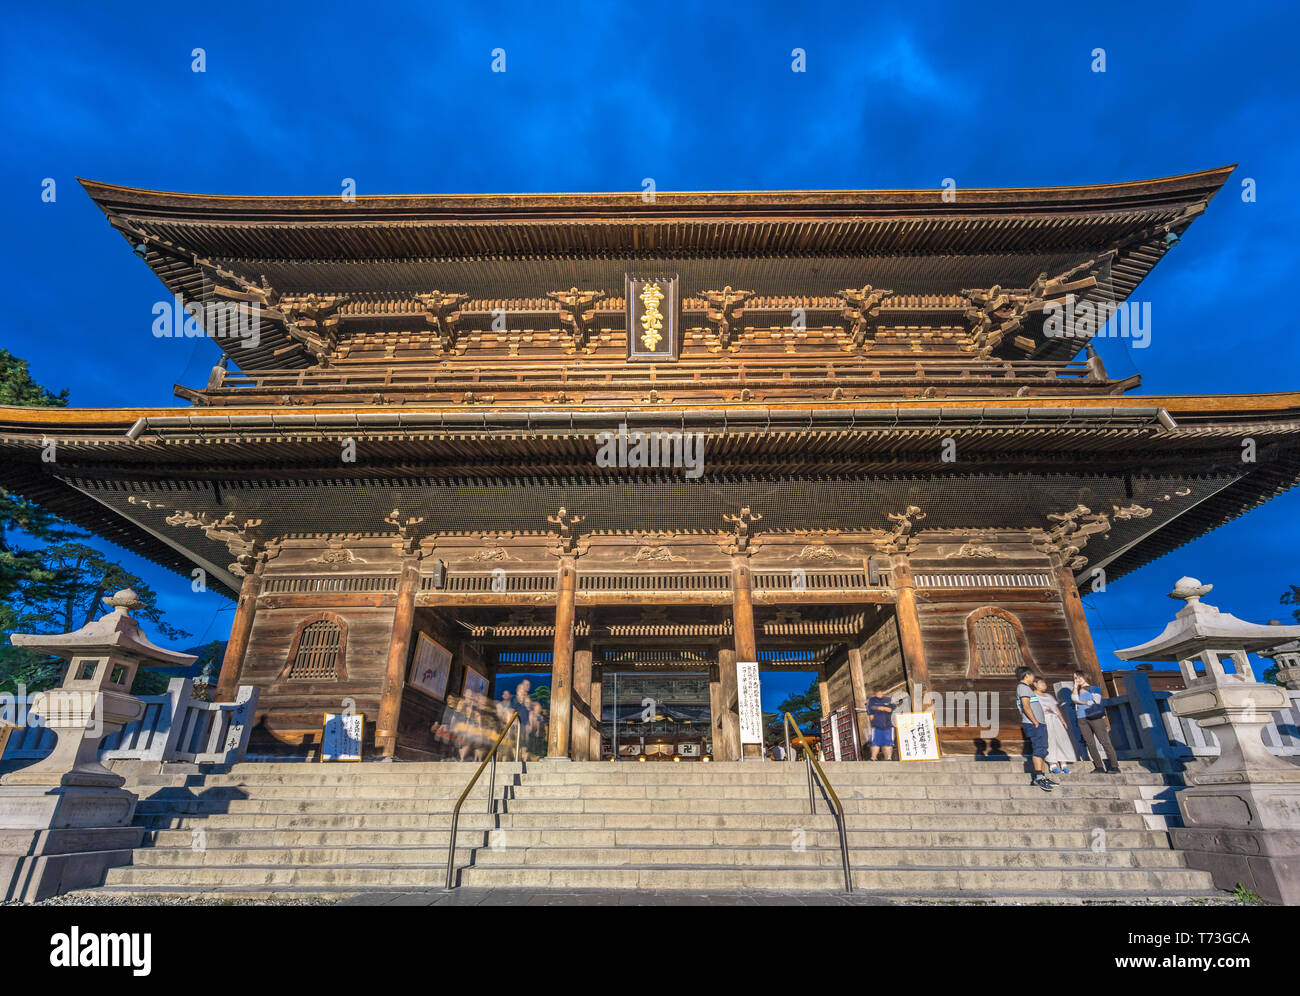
column 492, row 782
column 811, row 761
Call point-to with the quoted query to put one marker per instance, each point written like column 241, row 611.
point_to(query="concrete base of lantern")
column 64, row 807
column 38, row 864
column 1245, row 834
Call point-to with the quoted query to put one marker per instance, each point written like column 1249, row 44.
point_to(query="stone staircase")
column 958, row 828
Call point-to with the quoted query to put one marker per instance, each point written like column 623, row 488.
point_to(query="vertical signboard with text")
column 749, row 703
column 653, row 310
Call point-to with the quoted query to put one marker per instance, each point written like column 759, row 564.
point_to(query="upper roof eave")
column 1128, row 195
column 1282, row 403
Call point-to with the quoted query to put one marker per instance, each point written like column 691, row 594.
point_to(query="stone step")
column 220, row 793
column 1047, row 882
column 1057, row 803
column 1028, row 809
column 695, row 877
column 218, row 797
column 648, row 837
column 779, row 856
column 628, row 775
column 1128, row 820
column 845, row 792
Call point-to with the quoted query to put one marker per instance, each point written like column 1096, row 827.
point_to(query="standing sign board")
column 749, row 702
column 917, row 740
column 341, row 739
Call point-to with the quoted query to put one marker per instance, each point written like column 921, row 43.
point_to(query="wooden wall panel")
column 882, row 655
column 290, row 711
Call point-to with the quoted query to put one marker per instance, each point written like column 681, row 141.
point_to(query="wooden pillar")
column 909, row 634
column 742, row 606
column 726, row 727
column 399, row 647
column 1080, row 635
column 824, row 691
column 582, row 699
column 715, row 711
column 593, row 737
column 858, row 679
column 562, row 661
column 241, row 627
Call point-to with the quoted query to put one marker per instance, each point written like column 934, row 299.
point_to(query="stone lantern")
column 1241, row 812
column 67, row 817
column 1287, row 658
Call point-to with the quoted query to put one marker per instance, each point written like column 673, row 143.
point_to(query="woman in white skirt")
column 1060, row 748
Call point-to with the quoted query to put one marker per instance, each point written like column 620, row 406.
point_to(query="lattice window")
column 317, row 651
column 997, row 644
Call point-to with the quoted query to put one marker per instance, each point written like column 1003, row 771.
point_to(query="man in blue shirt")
column 1094, row 726
column 880, row 707
column 1034, row 725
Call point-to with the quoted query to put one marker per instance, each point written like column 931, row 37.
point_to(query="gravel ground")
column 531, row 897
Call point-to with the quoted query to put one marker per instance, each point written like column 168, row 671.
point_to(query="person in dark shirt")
column 880, row 707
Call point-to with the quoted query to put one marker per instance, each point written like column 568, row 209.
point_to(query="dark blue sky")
column 597, row 97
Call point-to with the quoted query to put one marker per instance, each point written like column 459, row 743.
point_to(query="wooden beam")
column 562, row 661
column 1080, row 635
column 241, row 627
column 593, row 742
column 399, row 646
column 742, row 607
column 581, row 735
column 726, row 726
column 858, row 680
column 909, row 632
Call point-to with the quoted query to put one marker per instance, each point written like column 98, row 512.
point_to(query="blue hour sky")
column 598, row 96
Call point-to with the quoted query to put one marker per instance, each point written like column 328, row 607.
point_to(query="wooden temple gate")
column 875, row 622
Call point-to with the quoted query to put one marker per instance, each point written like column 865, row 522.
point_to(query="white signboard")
column 917, row 740
column 749, row 702
column 341, row 739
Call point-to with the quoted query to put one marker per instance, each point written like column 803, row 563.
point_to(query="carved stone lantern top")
column 1199, row 627
column 114, row 635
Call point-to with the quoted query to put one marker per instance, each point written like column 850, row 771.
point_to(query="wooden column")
column 909, row 634
column 726, row 726
column 399, row 647
column 742, row 606
column 593, row 738
column 858, row 679
column 1080, row 635
column 582, row 699
column 241, row 627
column 715, row 712
column 824, row 691
column 562, row 661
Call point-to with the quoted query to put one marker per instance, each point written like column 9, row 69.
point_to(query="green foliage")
column 1244, row 895
column 18, row 388
column 18, row 566
column 542, row 694
column 57, row 585
column 806, row 709
column 1292, row 597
